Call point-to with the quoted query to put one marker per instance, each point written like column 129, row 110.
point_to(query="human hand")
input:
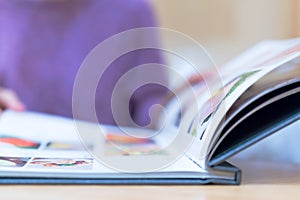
column 10, row 100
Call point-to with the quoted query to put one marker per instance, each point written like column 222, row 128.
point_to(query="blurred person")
column 44, row 42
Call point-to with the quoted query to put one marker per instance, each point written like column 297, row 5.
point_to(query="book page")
column 278, row 84
column 213, row 111
column 262, row 54
column 193, row 117
column 37, row 145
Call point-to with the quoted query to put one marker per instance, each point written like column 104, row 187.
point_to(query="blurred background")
column 225, row 29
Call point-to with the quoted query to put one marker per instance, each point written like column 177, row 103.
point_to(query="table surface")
column 260, row 180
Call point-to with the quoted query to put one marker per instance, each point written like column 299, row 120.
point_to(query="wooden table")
column 261, row 180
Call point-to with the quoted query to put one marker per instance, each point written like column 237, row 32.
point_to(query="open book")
column 260, row 96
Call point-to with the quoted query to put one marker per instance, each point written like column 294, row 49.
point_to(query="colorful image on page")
column 65, row 146
column 11, row 142
column 13, row 161
column 212, row 104
column 123, row 145
column 62, row 163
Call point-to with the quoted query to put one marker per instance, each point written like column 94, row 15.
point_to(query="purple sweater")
column 43, row 43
